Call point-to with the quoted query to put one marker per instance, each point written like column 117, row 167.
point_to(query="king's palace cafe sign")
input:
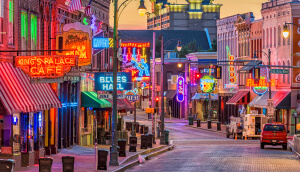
column 45, row 66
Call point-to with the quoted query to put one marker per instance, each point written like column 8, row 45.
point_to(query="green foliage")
column 189, row 48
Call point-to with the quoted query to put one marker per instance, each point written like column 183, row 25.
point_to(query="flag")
column 88, row 10
column 74, row 5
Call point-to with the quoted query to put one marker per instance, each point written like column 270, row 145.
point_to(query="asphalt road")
column 200, row 150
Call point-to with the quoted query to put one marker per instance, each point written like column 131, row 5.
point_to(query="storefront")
column 22, row 117
column 238, row 103
column 172, row 105
column 200, row 106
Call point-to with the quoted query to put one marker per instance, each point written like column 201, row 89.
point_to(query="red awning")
column 120, row 105
column 18, row 95
column 236, row 98
column 128, row 105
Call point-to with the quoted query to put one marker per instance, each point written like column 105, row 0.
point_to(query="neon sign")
column 232, row 71
column 136, row 58
column 45, row 66
column 261, row 86
column 207, row 84
column 104, row 81
column 180, row 89
column 193, row 76
column 79, row 42
column 99, row 43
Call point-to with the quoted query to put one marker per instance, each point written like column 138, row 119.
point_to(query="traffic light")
column 257, row 73
column 218, row 72
column 197, row 78
column 156, row 104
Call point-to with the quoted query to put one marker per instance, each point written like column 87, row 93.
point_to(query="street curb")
column 293, row 150
column 135, row 162
column 142, row 153
column 205, row 129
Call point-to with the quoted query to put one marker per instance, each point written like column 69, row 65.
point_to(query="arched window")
column 267, row 39
column 263, row 39
column 279, row 35
column 283, row 40
column 274, row 36
column 283, row 75
column 289, row 38
column 289, row 75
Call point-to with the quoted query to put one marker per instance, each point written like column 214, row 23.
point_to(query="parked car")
column 274, row 134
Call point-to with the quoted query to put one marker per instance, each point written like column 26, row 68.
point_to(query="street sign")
column 280, row 71
column 110, row 96
column 149, row 110
column 133, row 98
column 270, row 105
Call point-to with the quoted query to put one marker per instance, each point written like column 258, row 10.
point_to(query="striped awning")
column 18, row 95
column 237, row 97
column 278, row 98
column 89, row 99
column 128, row 105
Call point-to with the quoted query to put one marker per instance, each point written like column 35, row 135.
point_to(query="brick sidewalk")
column 213, row 127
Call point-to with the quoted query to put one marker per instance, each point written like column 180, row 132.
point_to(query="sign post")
column 270, row 108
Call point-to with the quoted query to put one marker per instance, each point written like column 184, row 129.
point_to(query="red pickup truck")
column 274, row 134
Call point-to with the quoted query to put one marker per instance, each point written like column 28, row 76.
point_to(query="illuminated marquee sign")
column 232, row 70
column 136, row 59
column 180, row 89
column 104, row 81
column 77, row 40
column 261, row 86
column 207, row 84
column 100, row 43
column 193, row 72
column 45, row 66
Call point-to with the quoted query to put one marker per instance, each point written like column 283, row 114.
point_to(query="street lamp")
column 162, row 136
column 179, row 65
column 114, row 153
column 142, row 9
column 285, row 31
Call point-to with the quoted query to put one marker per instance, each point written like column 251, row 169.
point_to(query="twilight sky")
column 131, row 20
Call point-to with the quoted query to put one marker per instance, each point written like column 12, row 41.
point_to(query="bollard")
column 68, row 163
column 167, row 137
column 7, row 165
column 219, row 126
column 198, row 123
column 146, row 130
column 45, row 164
column 208, row 124
column 102, row 159
column 150, row 140
column 144, row 141
column 122, row 146
column 191, row 122
column 132, row 144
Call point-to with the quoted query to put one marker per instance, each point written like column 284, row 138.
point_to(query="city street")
column 200, row 150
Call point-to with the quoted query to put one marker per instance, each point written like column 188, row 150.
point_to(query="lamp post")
column 162, row 135
column 269, row 58
column 114, row 154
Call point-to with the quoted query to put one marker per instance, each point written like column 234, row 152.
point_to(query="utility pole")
column 114, row 154
column 209, row 104
column 153, row 90
column 162, row 114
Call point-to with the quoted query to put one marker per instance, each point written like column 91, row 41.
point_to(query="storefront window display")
column 16, row 133
column 27, row 141
column 38, row 130
column 5, row 134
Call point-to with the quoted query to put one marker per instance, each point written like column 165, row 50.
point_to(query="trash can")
column 198, row 123
column 166, row 137
column 68, row 163
column 102, row 159
column 150, row 140
column 191, row 122
column 122, row 146
column 146, row 130
column 137, row 127
column 219, row 126
column 7, row 165
column 142, row 129
column 144, row 141
column 132, row 144
column 45, row 164
column 209, row 124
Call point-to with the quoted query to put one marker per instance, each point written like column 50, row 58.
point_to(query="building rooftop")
column 185, row 36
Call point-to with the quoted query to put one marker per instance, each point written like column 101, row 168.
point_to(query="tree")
column 186, row 49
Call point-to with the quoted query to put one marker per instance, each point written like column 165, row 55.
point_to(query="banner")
column 296, row 49
column 104, row 81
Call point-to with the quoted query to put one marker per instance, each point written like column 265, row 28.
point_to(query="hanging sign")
column 207, row 84
column 45, row 66
column 231, row 71
column 261, row 86
column 77, row 37
column 180, row 89
column 296, row 49
column 110, row 96
column 136, row 59
column 104, row 81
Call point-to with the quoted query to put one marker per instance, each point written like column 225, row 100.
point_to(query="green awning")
column 89, row 99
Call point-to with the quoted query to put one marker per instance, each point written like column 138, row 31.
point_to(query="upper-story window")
column 270, row 37
column 33, row 35
column 274, row 36
column 24, row 30
column 10, row 22
column 267, row 39
column 279, row 35
column 264, row 39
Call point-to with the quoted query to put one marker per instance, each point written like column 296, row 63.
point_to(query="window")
column 270, row 37
column 279, row 35
column 267, row 40
column 264, row 39
column 11, row 23
column 274, row 128
column 283, row 64
column 33, row 35
column 274, row 36
column 289, row 38
column 157, row 78
column 288, row 63
column 24, row 31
